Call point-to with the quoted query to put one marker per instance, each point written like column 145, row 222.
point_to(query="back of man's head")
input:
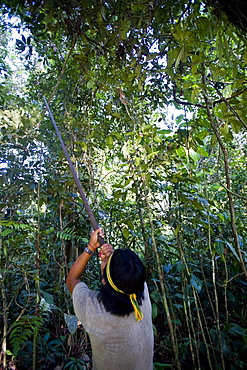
column 127, row 274
column 127, row 271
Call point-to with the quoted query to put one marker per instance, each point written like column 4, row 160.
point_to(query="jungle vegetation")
column 150, row 98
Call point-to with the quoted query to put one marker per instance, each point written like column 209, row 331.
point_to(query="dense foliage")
column 170, row 186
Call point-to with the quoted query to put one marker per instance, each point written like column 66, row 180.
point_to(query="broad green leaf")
column 137, row 161
column 194, row 95
column 180, row 266
column 90, row 84
column 117, row 135
column 236, row 125
column 178, row 33
column 44, row 306
column 196, row 282
column 153, row 154
column 232, row 249
column 109, row 141
column 130, row 224
column 116, row 115
column 202, row 152
column 181, row 151
column 224, row 129
column 6, row 232
column 167, row 268
column 49, row 299
column 219, row 246
column 155, row 295
column 124, row 28
column 83, row 145
column 125, row 232
column 237, row 330
column 178, row 306
column 72, row 322
column 180, row 57
column 154, row 310
column 108, row 107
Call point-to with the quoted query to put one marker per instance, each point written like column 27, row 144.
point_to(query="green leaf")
column 48, row 298
column 181, row 152
column 236, row 125
column 154, row 310
column 178, row 33
column 233, row 250
column 72, row 322
column 245, row 55
column 116, row 115
column 83, row 145
column 180, row 266
column 194, row 95
column 164, row 132
column 160, row 366
column 237, row 330
column 125, row 232
column 6, row 232
column 224, row 129
column 124, row 28
column 117, row 135
column 180, row 57
column 130, row 224
column 90, row 84
column 155, row 295
column 219, row 246
column 202, row 152
column 109, row 141
column 153, row 154
column 176, row 321
column 196, row 282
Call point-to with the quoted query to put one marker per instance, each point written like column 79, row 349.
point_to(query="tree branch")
column 214, row 103
column 225, row 100
column 233, row 193
column 186, row 102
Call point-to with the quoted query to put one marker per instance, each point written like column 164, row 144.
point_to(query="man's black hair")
column 128, row 274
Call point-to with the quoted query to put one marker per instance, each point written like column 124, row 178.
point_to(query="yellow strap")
column 137, row 311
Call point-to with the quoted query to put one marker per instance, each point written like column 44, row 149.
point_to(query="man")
column 118, row 317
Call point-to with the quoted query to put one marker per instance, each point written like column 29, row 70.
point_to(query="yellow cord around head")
column 137, row 311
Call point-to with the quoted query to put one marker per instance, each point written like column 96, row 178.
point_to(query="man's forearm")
column 77, row 270
column 80, row 264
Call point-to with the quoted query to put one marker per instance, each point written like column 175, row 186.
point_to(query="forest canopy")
column 150, row 99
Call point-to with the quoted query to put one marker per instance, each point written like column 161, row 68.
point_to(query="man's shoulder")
column 82, row 289
column 84, row 297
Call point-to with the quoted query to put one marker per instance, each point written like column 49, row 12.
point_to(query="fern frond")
column 22, row 330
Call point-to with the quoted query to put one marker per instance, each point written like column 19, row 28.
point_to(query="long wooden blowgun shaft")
column 77, row 181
